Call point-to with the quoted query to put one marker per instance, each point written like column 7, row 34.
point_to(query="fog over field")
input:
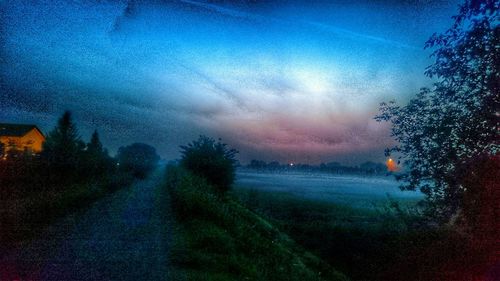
column 354, row 190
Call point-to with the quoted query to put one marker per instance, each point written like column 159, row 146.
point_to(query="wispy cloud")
column 316, row 25
column 216, row 87
column 272, row 84
column 356, row 35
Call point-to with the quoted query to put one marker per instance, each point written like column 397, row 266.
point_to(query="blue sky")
column 290, row 80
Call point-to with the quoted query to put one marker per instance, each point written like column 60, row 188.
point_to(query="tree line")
column 66, row 160
column 366, row 168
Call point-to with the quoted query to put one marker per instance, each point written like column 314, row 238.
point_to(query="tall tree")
column 95, row 145
column 96, row 161
column 63, row 147
column 456, row 120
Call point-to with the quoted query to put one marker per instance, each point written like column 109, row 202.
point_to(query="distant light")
column 291, row 164
column 391, row 165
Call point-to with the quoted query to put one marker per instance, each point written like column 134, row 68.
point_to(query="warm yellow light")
column 391, row 166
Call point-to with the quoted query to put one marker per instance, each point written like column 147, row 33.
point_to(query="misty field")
column 351, row 190
column 361, row 225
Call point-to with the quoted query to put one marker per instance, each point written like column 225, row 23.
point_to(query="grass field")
column 357, row 241
column 389, row 242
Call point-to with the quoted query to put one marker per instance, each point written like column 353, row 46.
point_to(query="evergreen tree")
column 95, row 145
column 96, row 161
column 63, row 148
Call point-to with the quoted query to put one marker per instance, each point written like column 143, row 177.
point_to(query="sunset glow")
column 249, row 140
column 302, row 80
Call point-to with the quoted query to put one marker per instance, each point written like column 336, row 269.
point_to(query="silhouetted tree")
column 138, row 158
column 95, row 145
column 97, row 162
column 372, row 168
column 257, row 164
column 274, row 165
column 456, row 120
column 211, row 160
column 63, row 148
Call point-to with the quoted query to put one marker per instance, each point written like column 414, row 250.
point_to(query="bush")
column 211, row 160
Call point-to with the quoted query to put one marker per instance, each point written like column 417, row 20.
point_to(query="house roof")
column 16, row 130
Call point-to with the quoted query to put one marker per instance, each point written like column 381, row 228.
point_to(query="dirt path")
column 122, row 237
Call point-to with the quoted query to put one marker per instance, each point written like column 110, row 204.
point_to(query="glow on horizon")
column 313, row 81
column 297, row 80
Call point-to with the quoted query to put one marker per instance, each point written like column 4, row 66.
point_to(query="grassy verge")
column 21, row 218
column 220, row 239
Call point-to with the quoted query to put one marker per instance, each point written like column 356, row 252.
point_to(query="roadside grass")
column 22, row 218
column 220, row 239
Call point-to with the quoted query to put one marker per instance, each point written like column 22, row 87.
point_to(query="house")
column 21, row 137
